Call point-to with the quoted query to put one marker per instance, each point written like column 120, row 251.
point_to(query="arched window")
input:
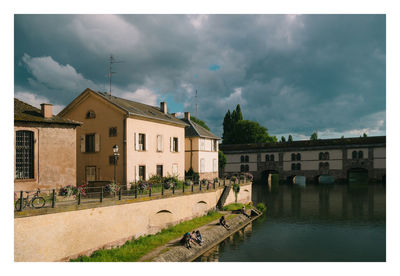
column 360, row 155
column 90, row 114
column 272, row 157
column 321, row 156
column 247, row 158
column 24, row 155
column 326, row 155
column 293, row 166
column 293, row 157
column 321, row 165
column 242, row 168
column 354, row 154
column 298, row 166
column 326, row 166
column 298, row 156
column 266, row 157
column 246, row 168
column 242, row 159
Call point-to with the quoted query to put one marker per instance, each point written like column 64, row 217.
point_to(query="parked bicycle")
column 36, row 202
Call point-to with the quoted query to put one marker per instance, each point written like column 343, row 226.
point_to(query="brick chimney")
column 163, row 107
column 47, row 110
column 187, row 116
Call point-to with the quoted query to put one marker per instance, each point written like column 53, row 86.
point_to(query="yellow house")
column 150, row 140
column 45, row 150
column 201, row 149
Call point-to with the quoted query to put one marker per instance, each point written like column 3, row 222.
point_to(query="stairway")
column 223, row 197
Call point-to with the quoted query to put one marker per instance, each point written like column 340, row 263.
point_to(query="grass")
column 134, row 249
column 235, row 206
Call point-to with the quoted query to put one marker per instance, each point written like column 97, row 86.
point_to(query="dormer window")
column 90, row 114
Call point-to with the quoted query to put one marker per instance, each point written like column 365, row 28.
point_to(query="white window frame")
column 202, row 144
column 159, row 143
column 202, row 165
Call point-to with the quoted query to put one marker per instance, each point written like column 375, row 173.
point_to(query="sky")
column 294, row 74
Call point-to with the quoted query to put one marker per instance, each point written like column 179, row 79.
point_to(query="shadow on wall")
column 200, row 208
column 160, row 220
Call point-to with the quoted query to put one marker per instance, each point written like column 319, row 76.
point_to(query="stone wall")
column 59, row 236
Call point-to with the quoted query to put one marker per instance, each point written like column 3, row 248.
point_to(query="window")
column 90, row 143
column 360, row 155
column 321, row 156
column 293, row 166
column 215, row 165
column 272, row 157
column 202, row 144
column 298, row 157
column 241, row 168
column 112, row 131
column 354, row 154
column 90, row 173
column 293, row 157
column 142, row 141
column 214, row 145
column 202, row 165
column 298, row 166
column 246, row 168
column 175, row 169
column 326, row 155
column 175, row 144
column 159, row 143
column 267, row 157
column 326, row 165
column 90, row 114
column 247, row 158
column 24, row 153
column 142, row 172
column 111, row 160
column 241, row 159
column 160, row 170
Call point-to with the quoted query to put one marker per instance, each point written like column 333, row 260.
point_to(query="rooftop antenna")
column 195, row 100
column 112, row 61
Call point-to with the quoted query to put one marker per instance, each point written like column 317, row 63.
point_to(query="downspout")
column 124, row 153
column 191, row 153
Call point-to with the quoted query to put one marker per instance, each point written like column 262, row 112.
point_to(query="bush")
column 194, row 176
column 261, row 206
column 112, row 188
column 204, row 182
column 68, row 191
column 156, row 179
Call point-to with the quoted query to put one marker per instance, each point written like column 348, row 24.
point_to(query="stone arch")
column 200, row 208
column 161, row 219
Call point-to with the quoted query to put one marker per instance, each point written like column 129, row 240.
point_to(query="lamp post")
column 116, row 154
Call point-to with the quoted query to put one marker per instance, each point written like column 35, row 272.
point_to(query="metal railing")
column 78, row 196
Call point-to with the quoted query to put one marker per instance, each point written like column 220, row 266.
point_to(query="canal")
column 345, row 222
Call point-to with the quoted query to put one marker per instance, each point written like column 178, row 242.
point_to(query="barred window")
column 112, row 132
column 24, row 151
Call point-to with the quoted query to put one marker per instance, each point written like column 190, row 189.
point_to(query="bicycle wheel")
column 38, row 202
column 17, row 204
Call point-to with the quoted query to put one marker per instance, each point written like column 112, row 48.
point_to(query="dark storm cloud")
column 293, row 74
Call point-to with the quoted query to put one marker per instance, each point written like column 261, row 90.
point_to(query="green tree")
column 290, row 138
column 199, row 122
column 314, row 136
column 342, row 137
column 221, row 160
column 227, row 127
column 283, row 139
column 246, row 131
column 365, row 135
column 237, row 114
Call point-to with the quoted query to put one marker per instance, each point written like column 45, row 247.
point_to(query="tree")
column 227, row 127
column 237, row 114
column 290, row 138
column 283, row 139
column 246, row 131
column 199, row 122
column 365, row 135
column 314, row 136
column 342, row 137
column 221, row 160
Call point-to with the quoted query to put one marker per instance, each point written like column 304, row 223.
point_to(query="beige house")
column 201, row 149
column 45, row 148
column 150, row 140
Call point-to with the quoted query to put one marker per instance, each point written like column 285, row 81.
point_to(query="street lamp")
column 116, row 154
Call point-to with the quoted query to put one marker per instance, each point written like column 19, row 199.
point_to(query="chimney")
column 187, row 116
column 47, row 110
column 163, row 107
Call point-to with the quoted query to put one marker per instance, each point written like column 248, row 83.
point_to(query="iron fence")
column 79, row 195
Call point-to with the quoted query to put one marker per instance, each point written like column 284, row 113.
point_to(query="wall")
column 197, row 154
column 55, row 158
column 55, row 237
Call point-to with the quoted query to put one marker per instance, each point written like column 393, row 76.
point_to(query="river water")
column 345, row 222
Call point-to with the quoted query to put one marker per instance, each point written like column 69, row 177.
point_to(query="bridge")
column 338, row 158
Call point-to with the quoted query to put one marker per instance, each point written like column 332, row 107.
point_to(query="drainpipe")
column 124, row 153
column 191, row 153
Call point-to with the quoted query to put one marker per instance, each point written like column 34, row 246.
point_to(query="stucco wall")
column 54, row 237
column 55, row 158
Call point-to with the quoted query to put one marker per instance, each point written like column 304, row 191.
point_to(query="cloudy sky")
column 294, row 74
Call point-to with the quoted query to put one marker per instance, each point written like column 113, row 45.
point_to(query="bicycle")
column 36, row 202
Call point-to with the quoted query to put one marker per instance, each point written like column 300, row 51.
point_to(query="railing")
column 78, row 196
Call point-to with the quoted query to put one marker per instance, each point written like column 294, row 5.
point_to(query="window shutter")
column 83, row 143
column 136, row 141
column 216, row 145
column 136, row 173
column 96, row 142
column 145, row 143
column 171, row 144
column 179, row 146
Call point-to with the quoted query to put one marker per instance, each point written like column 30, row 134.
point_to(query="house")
column 45, row 148
column 201, row 149
column 149, row 139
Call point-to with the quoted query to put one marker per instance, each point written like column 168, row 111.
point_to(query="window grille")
column 24, row 163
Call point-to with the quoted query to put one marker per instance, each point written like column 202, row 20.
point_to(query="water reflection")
column 312, row 223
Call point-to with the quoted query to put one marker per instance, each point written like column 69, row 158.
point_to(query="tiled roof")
column 24, row 112
column 140, row 109
column 195, row 130
column 308, row 143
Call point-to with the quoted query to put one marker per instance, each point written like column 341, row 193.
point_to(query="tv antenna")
column 112, row 61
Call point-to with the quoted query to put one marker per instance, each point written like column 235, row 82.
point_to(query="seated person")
column 193, row 238
column 243, row 211
column 199, row 237
column 222, row 221
column 186, row 240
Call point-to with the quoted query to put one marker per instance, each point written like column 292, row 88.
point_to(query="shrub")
column 188, row 182
column 156, row 179
column 112, row 188
column 261, row 206
column 82, row 189
column 194, row 176
column 204, row 182
column 68, row 191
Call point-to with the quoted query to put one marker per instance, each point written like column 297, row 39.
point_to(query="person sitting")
column 186, row 239
column 222, row 222
column 199, row 237
column 193, row 238
column 243, row 211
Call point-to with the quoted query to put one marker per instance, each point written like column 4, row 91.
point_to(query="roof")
column 308, row 143
column 195, row 130
column 24, row 112
column 129, row 107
